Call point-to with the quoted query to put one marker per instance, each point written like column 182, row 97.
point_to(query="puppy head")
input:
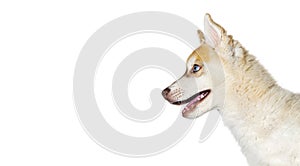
column 196, row 88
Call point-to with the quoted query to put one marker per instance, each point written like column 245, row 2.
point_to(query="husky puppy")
column 262, row 116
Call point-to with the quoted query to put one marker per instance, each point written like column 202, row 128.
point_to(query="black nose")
column 165, row 92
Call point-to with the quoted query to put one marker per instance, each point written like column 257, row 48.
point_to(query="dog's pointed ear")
column 217, row 38
column 213, row 31
column 201, row 36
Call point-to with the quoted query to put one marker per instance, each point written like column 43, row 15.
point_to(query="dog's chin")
column 197, row 112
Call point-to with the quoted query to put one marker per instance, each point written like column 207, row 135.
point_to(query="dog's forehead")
column 199, row 55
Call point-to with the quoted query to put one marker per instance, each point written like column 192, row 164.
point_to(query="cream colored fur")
column 263, row 117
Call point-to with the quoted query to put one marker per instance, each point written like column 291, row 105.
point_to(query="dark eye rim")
column 200, row 67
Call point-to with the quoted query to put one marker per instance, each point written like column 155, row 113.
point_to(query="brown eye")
column 196, row 68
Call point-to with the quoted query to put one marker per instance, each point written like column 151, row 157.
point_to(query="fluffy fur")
column 262, row 116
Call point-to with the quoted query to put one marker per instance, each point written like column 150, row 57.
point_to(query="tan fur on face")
column 199, row 56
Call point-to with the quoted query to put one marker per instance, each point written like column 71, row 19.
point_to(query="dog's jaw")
column 194, row 101
column 193, row 107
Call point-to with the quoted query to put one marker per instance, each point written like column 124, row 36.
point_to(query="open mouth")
column 193, row 101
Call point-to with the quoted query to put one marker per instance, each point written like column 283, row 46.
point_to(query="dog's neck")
column 249, row 100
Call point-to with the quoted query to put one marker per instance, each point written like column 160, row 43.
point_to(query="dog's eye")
column 196, row 68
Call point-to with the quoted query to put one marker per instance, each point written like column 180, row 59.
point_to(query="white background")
column 39, row 45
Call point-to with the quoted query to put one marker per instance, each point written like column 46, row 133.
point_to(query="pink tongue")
column 193, row 101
